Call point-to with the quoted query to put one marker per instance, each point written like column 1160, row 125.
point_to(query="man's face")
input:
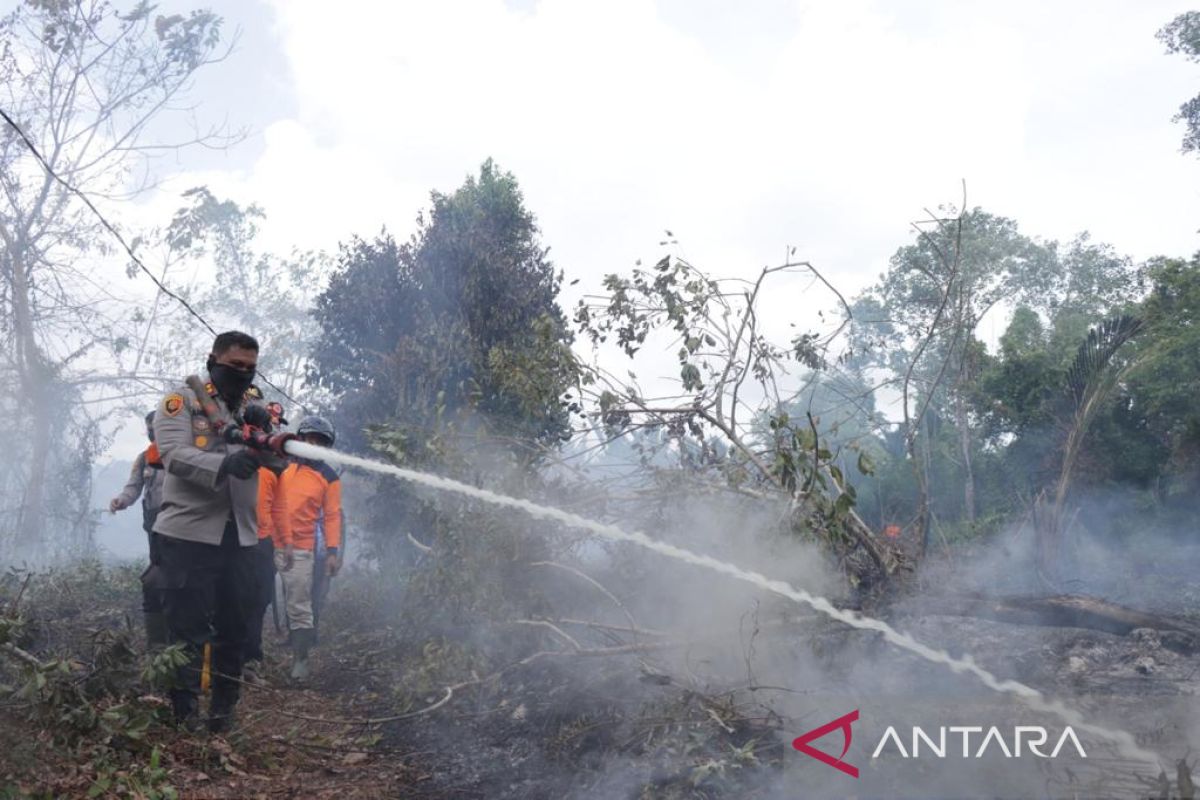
column 238, row 358
column 316, row 439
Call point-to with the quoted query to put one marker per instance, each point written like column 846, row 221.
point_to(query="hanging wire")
column 125, row 245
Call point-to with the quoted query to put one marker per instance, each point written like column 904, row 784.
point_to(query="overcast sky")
column 743, row 127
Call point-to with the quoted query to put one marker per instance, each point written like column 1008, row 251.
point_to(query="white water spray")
column 1027, row 694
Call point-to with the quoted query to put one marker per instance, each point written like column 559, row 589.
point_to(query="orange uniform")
column 268, row 483
column 309, row 493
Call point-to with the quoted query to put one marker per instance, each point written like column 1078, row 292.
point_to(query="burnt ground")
column 89, row 723
column 708, row 719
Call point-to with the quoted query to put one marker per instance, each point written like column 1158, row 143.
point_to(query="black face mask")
column 231, row 383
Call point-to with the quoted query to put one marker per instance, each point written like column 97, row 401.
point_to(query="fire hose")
column 238, row 431
column 258, row 439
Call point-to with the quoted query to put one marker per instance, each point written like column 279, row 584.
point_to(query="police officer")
column 207, row 524
column 146, row 479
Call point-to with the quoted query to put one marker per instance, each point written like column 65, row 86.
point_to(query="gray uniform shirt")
column 196, row 504
column 145, row 478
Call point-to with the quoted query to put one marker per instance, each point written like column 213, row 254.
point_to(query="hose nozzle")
column 257, row 439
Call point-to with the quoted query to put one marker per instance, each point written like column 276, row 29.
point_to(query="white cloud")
column 618, row 124
column 625, row 117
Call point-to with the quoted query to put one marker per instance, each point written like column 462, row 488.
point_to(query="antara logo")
column 1033, row 737
column 844, row 722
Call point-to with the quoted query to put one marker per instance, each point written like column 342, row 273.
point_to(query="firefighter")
column 207, row 526
column 146, row 479
column 322, row 576
column 264, row 558
column 311, row 511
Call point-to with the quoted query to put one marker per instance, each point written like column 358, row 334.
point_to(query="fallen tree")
column 1073, row 611
column 736, row 416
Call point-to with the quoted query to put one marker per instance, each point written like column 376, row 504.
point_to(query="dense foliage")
column 1182, row 35
column 461, row 322
column 996, row 416
column 449, row 352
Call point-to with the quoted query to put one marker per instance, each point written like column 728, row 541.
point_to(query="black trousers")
column 264, row 575
column 152, row 582
column 210, row 595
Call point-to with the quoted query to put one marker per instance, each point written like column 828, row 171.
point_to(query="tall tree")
column 1167, row 381
column 268, row 295
column 85, row 81
column 1182, row 35
column 461, row 322
column 449, row 352
column 933, row 297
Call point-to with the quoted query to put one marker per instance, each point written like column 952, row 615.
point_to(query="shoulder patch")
column 254, row 393
column 327, row 472
column 172, row 404
column 210, row 388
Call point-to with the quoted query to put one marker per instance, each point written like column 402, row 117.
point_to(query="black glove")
column 242, row 464
column 257, row 417
column 276, row 465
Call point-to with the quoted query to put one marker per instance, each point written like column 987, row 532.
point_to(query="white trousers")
column 297, row 587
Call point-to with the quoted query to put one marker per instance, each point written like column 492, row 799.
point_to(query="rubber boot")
column 301, row 643
column 158, row 635
column 221, row 715
column 184, row 704
column 253, row 673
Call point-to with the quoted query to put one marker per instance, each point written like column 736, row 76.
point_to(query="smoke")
column 740, row 627
column 1111, row 550
column 46, row 512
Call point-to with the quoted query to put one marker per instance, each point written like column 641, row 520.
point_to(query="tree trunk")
column 1069, row 611
column 31, row 528
column 964, row 443
column 961, row 419
column 36, row 377
column 33, row 385
column 920, row 462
